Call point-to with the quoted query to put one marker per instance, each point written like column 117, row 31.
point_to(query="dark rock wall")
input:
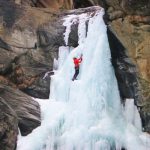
column 26, row 109
column 17, row 110
column 8, row 126
column 125, row 70
column 131, row 7
column 25, row 57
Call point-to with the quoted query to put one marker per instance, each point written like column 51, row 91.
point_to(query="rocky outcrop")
column 8, row 126
column 23, row 60
column 24, row 107
column 125, row 70
column 135, row 37
column 53, row 4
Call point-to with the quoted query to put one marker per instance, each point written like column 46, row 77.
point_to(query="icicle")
column 19, row 134
column 67, row 23
column 82, row 28
column 63, row 54
column 55, row 64
column 74, row 19
column 132, row 114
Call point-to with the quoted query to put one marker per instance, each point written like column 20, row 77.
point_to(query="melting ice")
column 86, row 114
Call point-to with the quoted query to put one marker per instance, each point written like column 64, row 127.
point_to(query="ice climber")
column 77, row 62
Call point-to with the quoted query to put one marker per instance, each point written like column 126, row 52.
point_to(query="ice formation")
column 86, row 114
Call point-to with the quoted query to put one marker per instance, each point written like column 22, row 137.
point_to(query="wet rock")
column 26, row 109
column 8, row 126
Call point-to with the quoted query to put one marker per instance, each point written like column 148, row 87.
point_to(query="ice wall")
column 86, row 114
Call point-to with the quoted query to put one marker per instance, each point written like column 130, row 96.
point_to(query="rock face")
column 29, row 41
column 131, row 7
column 26, row 109
column 8, row 126
column 17, row 110
column 125, row 70
column 27, row 52
column 54, row 4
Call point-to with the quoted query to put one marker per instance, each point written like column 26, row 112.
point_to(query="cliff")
column 30, row 36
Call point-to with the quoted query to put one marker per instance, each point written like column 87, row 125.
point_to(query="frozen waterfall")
column 85, row 114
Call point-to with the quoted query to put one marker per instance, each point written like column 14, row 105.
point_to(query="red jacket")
column 77, row 61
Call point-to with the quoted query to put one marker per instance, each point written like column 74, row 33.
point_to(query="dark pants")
column 76, row 73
